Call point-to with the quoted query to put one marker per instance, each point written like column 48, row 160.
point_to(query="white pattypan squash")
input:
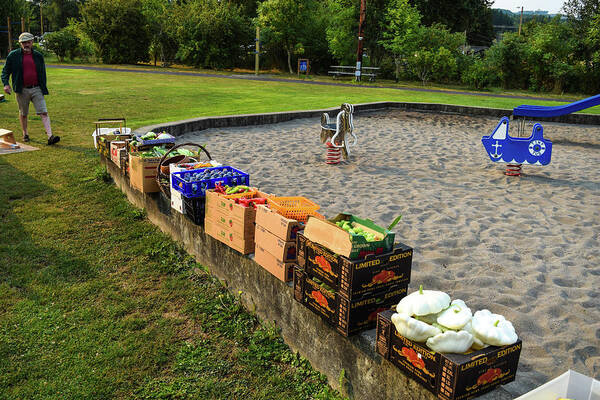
column 423, row 302
column 413, row 329
column 493, row 329
column 456, row 316
column 451, row 342
column 477, row 343
column 428, row 319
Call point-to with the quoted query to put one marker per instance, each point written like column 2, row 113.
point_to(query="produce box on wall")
column 449, row 376
column 275, row 239
column 372, row 238
column 282, row 227
column 347, row 316
column 142, row 173
column 284, row 271
column 118, row 152
column 353, row 278
column 231, row 222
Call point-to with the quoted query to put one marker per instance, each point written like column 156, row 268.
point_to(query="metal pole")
column 359, row 50
column 256, row 56
column 9, row 36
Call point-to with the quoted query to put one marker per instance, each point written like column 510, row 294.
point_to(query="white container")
column 570, row 385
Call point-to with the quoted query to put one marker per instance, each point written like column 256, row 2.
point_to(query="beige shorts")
column 33, row 95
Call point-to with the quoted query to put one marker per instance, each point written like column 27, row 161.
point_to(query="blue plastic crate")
column 181, row 181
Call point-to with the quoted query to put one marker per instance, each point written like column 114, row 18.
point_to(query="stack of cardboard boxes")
column 230, row 222
column 275, row 247
column 348, row 292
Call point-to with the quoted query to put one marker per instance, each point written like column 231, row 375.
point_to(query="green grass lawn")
column 97, row 303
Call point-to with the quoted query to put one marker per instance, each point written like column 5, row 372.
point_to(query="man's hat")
column 25, row 37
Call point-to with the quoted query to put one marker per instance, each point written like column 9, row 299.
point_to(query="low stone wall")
column 349, row 362
column 178, row 128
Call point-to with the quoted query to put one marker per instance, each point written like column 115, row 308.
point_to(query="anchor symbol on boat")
column 501, row 147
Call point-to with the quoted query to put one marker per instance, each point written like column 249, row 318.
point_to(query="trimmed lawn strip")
column 97, row 303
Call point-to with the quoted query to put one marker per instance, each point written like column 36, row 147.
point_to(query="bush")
column 478, row 74
column 62, row 43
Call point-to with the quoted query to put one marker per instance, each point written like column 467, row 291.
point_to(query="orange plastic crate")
column 298, row 208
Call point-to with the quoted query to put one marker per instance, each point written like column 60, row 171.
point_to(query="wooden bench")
column 341, row 70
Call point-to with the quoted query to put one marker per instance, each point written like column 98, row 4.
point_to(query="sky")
column 552, row 6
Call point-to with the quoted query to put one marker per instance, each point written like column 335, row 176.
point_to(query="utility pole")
column 521, row 21
column 9, row 36
column 359, row 50
column 257, row 53
column 41, row 20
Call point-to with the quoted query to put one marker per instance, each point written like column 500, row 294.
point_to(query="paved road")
column 273, row 79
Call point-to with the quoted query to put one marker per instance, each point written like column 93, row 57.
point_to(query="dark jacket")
column 14, row 66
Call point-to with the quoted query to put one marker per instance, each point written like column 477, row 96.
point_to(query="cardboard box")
column 142, row 173
column 449, row 376
column 570, row 385
column 241, row 227
column 118, row 152
column 285, row 228
column 282, row 250
column 328, row 234
column 353, row 278
column 284, row 271
column 235, row 241
column 228, row 207
column 177, row 201
column 347, row 316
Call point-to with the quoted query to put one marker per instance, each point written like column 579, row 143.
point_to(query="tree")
column 508, row 59
column 58, row 12
column 288, row 24
column 402, row 26
column 471, row 16
column 550, row 54
column 437, row 50
column 582, row 11
column 342, row 29
column 118, row 28
column 158, row 16
column 211, row 33
column 14, row 9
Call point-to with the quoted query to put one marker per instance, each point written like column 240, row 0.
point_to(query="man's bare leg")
column 23, row 120
column 46, row 122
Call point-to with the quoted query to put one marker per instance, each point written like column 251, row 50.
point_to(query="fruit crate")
column 298, row 208
column 184, row 183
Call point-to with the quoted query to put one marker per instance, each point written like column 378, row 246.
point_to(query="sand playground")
column 526, row 247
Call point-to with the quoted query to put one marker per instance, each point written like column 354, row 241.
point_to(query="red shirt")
column 30, row 77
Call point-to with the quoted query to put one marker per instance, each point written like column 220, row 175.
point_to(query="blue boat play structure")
column 534, row 150
column 556, row 111
column 501, row 147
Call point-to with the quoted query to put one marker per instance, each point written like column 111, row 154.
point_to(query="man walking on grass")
column 29, row 83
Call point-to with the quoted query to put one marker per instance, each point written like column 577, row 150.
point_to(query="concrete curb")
column 178, row 128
